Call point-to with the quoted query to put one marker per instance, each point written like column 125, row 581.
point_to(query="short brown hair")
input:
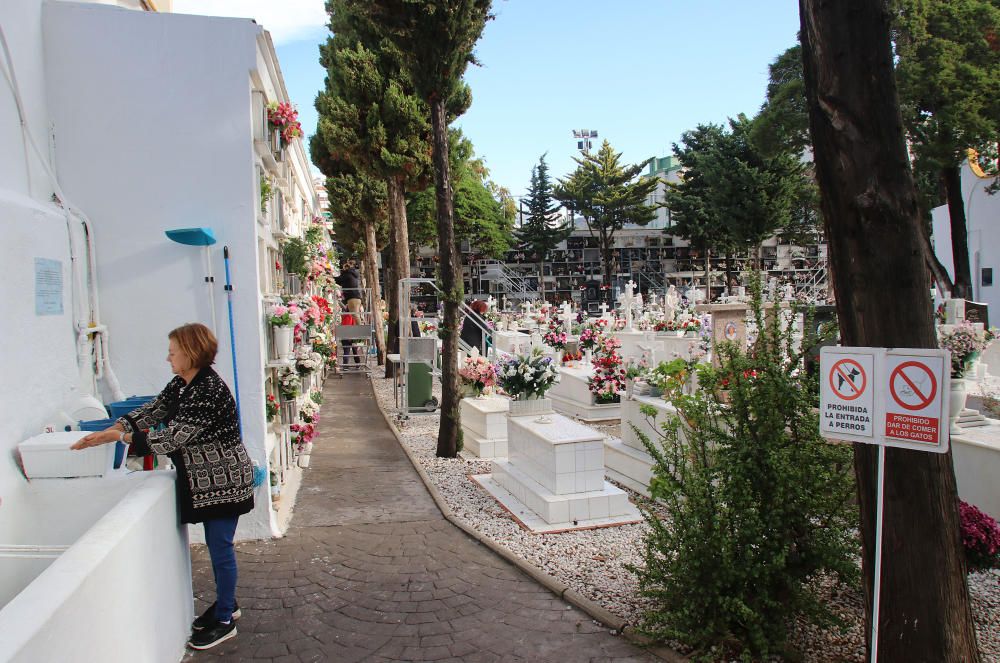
column 196, row 341
column 479, row 306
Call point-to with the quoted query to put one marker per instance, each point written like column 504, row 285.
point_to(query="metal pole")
column 878, row 550
column 232, row 339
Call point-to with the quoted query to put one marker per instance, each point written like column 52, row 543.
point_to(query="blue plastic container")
column 96, row 424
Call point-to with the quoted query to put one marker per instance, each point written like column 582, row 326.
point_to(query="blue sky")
column 640, row 72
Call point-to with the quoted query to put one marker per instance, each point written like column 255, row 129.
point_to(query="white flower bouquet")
column 527, row 376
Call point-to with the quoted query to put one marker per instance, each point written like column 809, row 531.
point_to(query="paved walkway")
column 371, row 571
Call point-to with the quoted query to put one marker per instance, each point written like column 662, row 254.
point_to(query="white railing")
column 504, row 280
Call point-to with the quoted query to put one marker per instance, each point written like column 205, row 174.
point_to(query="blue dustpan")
column 192, row 236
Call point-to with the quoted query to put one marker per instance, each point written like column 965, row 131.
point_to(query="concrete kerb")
column 557, row 587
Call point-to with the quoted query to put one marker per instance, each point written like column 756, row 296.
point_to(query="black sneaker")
column 212, row 635
column 208, row 617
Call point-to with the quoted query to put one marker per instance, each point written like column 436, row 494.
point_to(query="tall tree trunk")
column 399, row 252
column 371, row 270
column 959, row 236
column 541, row 276
column 451, row 282
column 869, row 206
column 608, row 252
column 391, row 297
column 729, row 268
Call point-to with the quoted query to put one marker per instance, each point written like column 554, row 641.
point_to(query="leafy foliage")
column 732, row 196
column 295, row 254
column 484, row 212
column 758, row 504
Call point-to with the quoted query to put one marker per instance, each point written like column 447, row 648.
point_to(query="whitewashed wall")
column 38, row 353
column 152, row 119
column 983, row 225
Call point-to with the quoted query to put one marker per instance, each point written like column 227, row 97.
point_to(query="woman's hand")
column 96, row 439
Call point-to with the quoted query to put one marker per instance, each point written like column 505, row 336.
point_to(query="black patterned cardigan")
column 196, row 426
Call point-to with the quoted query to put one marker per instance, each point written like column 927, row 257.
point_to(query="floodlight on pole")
column 583, row 137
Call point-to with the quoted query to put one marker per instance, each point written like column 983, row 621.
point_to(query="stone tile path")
column 371, row 571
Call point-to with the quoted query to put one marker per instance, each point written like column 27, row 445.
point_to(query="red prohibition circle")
column 925, row 400
column 857, row 390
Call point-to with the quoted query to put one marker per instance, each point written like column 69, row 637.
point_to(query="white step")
column 486, row 417
column 630, row 467
column 475, row 446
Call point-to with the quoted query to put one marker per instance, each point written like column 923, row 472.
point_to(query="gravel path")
column 593, row 562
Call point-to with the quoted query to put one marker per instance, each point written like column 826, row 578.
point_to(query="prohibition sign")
column 848, row 370
column 923, row 399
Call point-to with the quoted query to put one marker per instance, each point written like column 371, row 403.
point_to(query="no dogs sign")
column 847, row 401
column 894, row 398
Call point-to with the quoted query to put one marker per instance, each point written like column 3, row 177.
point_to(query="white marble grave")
column 976, row 455
column 553, row 478
column 511, row 341
column 484, row 426
column 626, row 460
column 571, row 395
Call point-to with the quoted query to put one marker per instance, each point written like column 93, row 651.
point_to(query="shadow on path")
column 370, row 571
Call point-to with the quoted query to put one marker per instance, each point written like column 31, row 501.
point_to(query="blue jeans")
column 219, row 537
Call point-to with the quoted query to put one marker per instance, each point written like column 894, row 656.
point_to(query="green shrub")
column 295, row 253
column 757, row 503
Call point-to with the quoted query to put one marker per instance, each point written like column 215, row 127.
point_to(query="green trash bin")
column 421, row 353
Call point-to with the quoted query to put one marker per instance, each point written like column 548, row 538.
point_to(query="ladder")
column 355, row 336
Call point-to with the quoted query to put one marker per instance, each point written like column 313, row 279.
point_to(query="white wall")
column 152, row 121
column 38, row 353
column 133, row 567
column 982, row 212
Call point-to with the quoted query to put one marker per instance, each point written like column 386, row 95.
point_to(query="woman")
column 474, row 325
column 194, row 422
column 350, row 281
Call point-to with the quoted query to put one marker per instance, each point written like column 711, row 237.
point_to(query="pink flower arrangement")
column 283, row 117
column 980, row 537
column 478, row 373
column 590, row 338
column 555, row 339
column 609, row 374
column 304, row 433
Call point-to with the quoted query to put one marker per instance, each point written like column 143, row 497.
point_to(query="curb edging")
column 557, row 587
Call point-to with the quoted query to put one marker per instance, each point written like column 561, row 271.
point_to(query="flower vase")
column 530, row 406
column 588, row 354
column 629, row 388
column 303, row 461
column 679, row 333
column 956, row 403
column 283, row 342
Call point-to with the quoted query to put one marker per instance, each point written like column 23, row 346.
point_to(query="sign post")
column 892, row 398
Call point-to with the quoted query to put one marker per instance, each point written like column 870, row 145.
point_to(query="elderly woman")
column 194, row 422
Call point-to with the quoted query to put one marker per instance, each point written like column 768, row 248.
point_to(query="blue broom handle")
column 232, row 341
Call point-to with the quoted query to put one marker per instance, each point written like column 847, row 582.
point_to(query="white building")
column 982, row 213
column 148, row 122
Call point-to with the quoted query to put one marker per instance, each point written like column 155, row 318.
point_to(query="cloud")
column 286, row 20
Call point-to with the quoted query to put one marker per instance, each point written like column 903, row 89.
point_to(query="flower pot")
column 956, row 402
column 530, row 407
column 679, row 333
column 629, row 388
column 303, row 461
column 283, row 342
column 691, row 333
column 307, row 449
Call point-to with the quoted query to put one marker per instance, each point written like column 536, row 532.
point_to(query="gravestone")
column 729, row 323
column 977, row 312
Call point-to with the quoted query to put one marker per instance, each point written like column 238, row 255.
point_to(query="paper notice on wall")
column 48, row 287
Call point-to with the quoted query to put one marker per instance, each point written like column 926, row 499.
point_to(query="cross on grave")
column 567, row 317
column 604, row 310
column 503, row 303
column 491, row 303
column 526, row 308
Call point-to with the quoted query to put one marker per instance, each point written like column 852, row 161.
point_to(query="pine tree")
column 437, row 38
column 608, row 195
column 370, row 116
column 541, row 232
